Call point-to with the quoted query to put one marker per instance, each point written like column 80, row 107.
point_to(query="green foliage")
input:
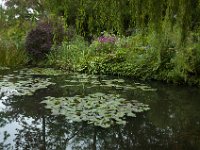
column 93, row 17
column 128, row 56
column 163, row 41
column 21, row 9
column 69, row 54
column 144, row 56
column 96, row 16
column 12, row 51
column 186, row 64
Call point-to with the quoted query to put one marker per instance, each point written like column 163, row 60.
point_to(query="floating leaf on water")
column 136, row 83
column 12, row 86
column 4, row 97
column 95, row 82
column 130, row 114
column 119, row 87
column 118, row 80
column 149, row 89
column 4, row 68
column 42, row 72
column 74, row 81
column 144, row 87
column 129, row 87
column 122, row 122
column 99, row 109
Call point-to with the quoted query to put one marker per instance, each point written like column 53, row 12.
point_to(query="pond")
column 162, row 116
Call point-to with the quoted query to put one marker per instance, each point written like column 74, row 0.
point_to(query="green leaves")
column 99, row 109
column 92, row 80
column 22, row 84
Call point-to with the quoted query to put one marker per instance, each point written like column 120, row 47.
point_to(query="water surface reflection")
column 172, row 123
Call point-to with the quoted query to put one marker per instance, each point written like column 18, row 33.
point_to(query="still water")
column 172, row 123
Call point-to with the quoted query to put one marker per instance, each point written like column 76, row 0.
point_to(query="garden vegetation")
column 146, row 39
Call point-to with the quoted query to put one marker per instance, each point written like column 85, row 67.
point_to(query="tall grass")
column 69, row 54
column 12, row 53
column 12, row 48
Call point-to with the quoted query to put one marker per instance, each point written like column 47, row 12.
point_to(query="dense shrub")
column 40, row 39
column 69, row 54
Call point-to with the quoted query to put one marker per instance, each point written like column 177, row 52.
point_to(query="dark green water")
column 173, row 123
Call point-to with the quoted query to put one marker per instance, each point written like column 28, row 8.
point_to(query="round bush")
column 40, row 39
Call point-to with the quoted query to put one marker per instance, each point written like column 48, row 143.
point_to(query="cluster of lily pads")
column 79, row 79
column 3, row 68
column 27, row 87
column 99, row 109
column 20, row 84
column 42, row 71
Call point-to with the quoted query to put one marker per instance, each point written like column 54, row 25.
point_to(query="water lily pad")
column 93, row 81
column 4, row 68
column 99, row 109
column 24, row 84
column 42, row 71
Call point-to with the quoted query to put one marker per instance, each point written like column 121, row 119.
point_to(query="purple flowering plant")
column 106, row 43
column 104, row 39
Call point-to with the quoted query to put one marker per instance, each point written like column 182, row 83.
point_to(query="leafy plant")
column 186, row 64
column 104, row 44
column 69, row 54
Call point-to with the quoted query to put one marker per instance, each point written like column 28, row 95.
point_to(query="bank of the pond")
column 137, row 56
column 144, row 73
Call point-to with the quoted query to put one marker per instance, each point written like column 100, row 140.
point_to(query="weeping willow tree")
column 117, row 15
column 91, row 16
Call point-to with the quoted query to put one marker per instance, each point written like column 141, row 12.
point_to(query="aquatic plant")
column 22, row 84
column 42, row 71
column 4, row 68
column 22, row 87
column 99, row 109
column 93, row 81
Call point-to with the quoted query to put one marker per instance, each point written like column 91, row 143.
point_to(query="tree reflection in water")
column 172, row 123
column 51, row 132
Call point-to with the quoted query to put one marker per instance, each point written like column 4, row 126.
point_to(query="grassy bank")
column 141, row 55
column 151, row 40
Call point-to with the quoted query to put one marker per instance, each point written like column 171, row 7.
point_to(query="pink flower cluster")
column 104, row 39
